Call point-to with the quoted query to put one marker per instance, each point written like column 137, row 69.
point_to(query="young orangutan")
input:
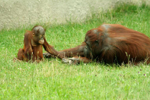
column 33, row 42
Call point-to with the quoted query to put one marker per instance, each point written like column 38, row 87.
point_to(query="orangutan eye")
column 40, row 36
column 96, row 42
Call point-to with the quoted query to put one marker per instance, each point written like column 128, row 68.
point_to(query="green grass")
column 53, row 80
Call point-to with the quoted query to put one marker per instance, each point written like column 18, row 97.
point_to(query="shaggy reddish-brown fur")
column 111, row 43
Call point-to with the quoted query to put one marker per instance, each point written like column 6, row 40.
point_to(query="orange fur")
column 34, row 51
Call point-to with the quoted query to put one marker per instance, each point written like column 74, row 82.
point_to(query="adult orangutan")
column 33, row 42
column 110, row 43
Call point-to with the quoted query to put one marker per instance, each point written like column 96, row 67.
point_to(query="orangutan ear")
column 33, row 34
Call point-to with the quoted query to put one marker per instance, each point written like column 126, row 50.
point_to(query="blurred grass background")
column 53, row 80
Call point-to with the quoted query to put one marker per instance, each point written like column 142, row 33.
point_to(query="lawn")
column 53, row 80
